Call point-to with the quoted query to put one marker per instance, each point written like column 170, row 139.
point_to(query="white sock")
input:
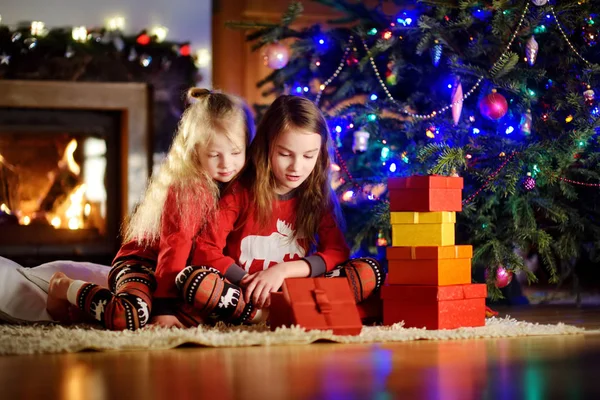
column 261, row 316
column 73, row 290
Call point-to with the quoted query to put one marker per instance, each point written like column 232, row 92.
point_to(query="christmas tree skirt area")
column 40, row 339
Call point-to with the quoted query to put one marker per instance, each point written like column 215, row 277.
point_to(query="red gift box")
column 425, row 193
column 316, row 303
column 434, row 307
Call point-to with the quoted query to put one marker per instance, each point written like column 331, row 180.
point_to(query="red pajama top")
column 236, row 244
column 167, row 256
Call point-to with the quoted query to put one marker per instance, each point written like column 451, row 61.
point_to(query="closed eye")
column 284, row 154
column 309, row 157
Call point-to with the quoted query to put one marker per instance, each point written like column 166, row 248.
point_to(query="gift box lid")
column 431, row 294
column 431, row 217
column 425, row 182
column 428, row 252
column 321, row 303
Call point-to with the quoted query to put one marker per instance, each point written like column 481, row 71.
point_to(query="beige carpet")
column 15, row 339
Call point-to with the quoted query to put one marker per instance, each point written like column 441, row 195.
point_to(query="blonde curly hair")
column 209, row 112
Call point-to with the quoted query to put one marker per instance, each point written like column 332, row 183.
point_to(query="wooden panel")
column 236, row 68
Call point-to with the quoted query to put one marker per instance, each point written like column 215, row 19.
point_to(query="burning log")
column 64, row 180
column 7, row 173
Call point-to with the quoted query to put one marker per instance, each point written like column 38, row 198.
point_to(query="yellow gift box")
column 437, row 217
column 423, row 228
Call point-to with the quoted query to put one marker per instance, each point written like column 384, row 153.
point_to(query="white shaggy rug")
column 24, row 339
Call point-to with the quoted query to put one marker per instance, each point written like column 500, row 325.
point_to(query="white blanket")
column 24, row 291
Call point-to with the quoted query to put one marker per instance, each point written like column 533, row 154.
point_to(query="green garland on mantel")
column 104, row 55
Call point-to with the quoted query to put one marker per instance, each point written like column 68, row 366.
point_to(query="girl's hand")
column 166, row 321
column 258, row 286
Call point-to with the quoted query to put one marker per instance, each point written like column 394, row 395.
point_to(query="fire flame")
column 4, row 208
column 70, row 214
column 68, row 157
column 75, row 211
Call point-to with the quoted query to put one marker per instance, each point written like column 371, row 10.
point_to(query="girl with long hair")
column 279, row 221
column 207, row 153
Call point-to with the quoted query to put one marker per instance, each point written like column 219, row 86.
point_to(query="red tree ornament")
column 143, row 39
column 493, row 106
column 503, row 276
column 185, row 50
column 352, row 59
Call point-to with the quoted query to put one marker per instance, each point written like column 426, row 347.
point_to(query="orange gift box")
column 434, row 307
column 425, row 193
column 429, row 265
column 316, row 303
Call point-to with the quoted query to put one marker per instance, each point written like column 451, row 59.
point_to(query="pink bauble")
column 529, row 183
column 503, row 277
column 493, row 106
column 276, row 55
column 457, row 101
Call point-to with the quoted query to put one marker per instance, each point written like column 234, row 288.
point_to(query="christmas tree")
column 499, row 92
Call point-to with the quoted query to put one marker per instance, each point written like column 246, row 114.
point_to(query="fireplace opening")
column 59, row 184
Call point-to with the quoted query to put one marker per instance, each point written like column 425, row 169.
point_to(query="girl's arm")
column 174, row 247
column 332, row 248
column 210, row 244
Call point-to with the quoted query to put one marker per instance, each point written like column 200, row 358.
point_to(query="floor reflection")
column 524, row 368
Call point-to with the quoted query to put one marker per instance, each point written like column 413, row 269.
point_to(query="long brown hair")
column 315, row 196
column 209, row 112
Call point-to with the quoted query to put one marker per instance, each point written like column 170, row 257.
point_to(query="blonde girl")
column 208, row 152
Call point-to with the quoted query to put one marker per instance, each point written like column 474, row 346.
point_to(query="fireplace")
column 74, row 158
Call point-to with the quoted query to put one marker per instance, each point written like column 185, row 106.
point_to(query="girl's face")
column 224, row 157
column 294, row 157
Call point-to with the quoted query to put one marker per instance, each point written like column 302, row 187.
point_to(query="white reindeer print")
column 227, row 300
column 182, row 276
column 143, row 313
column 121, row 273
column 272, row 248
column 98, row 309
column 336, row 273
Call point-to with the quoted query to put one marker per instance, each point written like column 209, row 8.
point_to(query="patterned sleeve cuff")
column 235, row 273
column 317, row 265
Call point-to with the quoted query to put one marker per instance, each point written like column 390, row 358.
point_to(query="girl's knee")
column 365, row 276
column 127, row 311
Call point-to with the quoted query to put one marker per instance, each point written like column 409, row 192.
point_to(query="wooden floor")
column 562, row 367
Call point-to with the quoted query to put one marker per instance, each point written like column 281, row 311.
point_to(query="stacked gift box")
column 429, row 277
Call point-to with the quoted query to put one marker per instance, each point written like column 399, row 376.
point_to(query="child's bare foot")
column 57, row 303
